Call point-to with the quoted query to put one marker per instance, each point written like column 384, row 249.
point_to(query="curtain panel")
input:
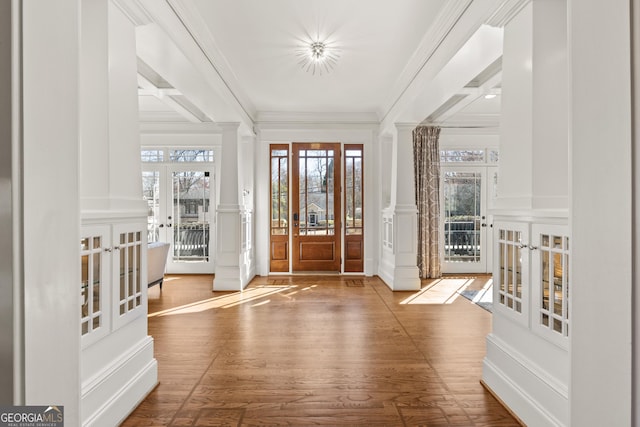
column 426, row 164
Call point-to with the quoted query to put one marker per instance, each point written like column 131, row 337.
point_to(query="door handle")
column 161, row 225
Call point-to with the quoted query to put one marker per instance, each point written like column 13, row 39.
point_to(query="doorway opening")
column 316, row 208
column 467, row 190
column 178, row 185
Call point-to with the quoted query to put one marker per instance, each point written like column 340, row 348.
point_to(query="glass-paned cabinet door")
column 511, row 270
column 94, row 286
column 550, row 282
column 129, row 272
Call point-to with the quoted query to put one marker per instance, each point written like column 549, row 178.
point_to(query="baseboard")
column 110, row 398
column 385, row 273
column 504, row 405
column 523, row 389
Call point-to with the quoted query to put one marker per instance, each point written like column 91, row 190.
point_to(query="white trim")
column 134, row 11
column 504, row 367
column 281, row 117
column 443, row 24
column 137, row 370
column 506, row 12
column 147, row 128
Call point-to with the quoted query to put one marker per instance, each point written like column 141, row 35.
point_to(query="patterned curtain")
column 426, row 165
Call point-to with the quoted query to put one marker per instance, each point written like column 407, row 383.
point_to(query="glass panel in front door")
column 316, row 175
column 463, row 218
column 190, row 220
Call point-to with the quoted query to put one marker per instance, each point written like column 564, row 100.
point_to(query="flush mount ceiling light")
column 317, row 57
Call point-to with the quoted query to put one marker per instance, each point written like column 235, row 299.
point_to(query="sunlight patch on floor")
column 225, row 301
column 485, row 294
column 441, row 291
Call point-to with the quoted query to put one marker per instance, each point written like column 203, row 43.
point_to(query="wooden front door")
column 315, row 207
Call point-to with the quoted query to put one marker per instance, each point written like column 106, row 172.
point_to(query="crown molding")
column 134, row 11
column 151, row 128
column 444, row 22
column 162, row 117
column 266, row 117
column 193, row 21
column 505, row 12
column 467, row 120
column 174, row 19
column 451, row 129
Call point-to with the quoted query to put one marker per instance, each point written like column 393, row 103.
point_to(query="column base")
column 400, row 278
column 228, row 278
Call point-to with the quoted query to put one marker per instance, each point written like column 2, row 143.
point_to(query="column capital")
column 405, row 126
column 228, row 126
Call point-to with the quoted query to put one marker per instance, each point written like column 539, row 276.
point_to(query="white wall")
column 601, row 213
column 550, row 151
column 94, row 106
column 124, row 133
column 50, row 172
column 516, row 133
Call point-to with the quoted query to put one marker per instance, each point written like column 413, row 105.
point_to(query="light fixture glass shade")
column 317, row 57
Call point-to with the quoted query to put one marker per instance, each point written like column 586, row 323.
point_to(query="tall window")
column 353, row 189
column 354, row 208
column 279, row 242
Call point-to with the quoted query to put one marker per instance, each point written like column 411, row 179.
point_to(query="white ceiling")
column 253, row 46
column 375, row 39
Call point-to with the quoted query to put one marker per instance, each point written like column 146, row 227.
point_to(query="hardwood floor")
column 316, row 350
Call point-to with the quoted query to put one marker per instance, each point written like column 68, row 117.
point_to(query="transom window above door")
column 179, row 187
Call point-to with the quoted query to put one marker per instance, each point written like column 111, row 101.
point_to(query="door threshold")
column 316, row 273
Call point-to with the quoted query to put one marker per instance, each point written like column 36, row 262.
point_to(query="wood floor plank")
column 317, row 350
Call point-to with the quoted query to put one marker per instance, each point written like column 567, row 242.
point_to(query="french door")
column 179, row 197
column 466, row 225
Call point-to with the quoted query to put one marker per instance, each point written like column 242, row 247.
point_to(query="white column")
column 94, row 106
column 533, row 172
column 125, row 168
column 516, row 133
column 601, row 214
column 50, row 222
column 228, row 224
column 399, row 259
column 550, row 149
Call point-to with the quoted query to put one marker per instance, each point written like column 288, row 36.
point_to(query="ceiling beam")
column 148, row 88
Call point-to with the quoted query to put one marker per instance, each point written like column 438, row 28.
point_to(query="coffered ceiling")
column 413, row 60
